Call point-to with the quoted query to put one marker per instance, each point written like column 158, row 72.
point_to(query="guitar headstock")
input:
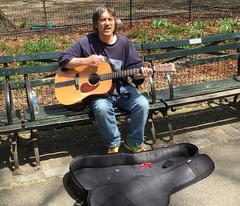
column 166, row 67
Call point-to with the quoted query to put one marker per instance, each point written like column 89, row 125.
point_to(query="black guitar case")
column 142, row 179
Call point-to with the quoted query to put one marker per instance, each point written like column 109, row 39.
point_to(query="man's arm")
column 79, row 54
column 92, row 61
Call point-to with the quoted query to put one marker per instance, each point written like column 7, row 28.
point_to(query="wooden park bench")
column 26, row 72
column 13, row 121
column 190, row 55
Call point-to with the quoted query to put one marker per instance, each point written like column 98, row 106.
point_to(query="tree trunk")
column 5, row 23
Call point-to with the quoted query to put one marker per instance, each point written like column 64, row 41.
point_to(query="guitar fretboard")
column 119, row 74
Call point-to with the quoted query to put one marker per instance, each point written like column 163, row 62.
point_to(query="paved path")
column 216, row 132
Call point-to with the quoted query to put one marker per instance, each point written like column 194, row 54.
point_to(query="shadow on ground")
column 86, row 140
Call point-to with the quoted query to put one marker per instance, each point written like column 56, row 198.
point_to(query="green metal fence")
column 28, row 15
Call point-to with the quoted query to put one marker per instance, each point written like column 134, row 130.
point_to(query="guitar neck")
column 119, row 74
column 166, row 67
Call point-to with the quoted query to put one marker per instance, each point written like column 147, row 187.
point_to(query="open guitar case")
column 142, row 179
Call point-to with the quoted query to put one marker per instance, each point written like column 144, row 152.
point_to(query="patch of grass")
column 42, row 45
column 161, row 23
column 196, row 29
column 3, row 47
column 6, row 49
column 140, row 34
column 23, row 23
column 228, row 25
column 165, row 30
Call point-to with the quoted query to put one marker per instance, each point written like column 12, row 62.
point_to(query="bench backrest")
column 180, row 49
column 25, row 64
column 189, row 53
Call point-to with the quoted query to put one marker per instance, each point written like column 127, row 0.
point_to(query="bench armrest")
column 28, row 88
column 170, row 85
column 152, row 89
column 8, row 102
column 171, row 90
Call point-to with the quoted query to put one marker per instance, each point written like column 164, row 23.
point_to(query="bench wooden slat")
column 58, row 115
column 138, row 47
column 28, row 70
column 58, row 122
column 11, row 128
column 15, row 116
column 189, row 52
column 59, row 111
column 16, row 124
column 164, row 44
column 221, row 37
column 187, row 42
column 38, row 56
column 201, row 61
column 201, row 98
column 6, row 59
column 208, row 87
column 34, row 83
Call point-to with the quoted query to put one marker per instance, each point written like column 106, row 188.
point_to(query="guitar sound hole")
column 94, row 79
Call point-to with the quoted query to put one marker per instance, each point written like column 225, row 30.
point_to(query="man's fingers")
column 146, row 72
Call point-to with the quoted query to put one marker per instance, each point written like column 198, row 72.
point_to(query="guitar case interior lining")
column 147, row 178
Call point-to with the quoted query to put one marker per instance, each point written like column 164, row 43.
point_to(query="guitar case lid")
column 152, row 190
column 90, row 176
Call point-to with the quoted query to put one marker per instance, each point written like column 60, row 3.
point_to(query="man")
column 105, row 44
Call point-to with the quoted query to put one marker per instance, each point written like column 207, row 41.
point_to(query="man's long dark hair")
column 98, row 12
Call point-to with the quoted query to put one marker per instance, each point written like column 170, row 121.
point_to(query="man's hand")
column 144, row 72
column 94, row 60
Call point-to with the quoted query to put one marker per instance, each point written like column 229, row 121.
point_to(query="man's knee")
column 102, row 107
column 142, row 103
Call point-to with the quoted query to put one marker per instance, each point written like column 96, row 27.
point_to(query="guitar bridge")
column 77, row 81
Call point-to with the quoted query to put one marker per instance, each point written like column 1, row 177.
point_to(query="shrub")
column 42, row 45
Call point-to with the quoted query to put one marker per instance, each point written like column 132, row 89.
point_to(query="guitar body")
column 74, row 86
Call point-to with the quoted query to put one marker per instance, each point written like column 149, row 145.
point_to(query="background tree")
column 5, row 23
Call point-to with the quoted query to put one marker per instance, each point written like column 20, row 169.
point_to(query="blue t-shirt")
column 121, row 54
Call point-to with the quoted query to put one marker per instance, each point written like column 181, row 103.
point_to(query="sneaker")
column 133, row 149
column 112, row 150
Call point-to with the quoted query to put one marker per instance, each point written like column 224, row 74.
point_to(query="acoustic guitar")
column 78, row 85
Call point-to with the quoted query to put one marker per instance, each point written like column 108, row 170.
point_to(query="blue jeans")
column 135, row 103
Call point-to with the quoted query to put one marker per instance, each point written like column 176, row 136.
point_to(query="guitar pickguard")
column 85, row 87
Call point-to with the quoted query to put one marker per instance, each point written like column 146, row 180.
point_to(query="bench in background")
column 191, row 57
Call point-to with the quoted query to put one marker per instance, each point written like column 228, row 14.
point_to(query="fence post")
column 189, row 10
column 45, row 12
column 238, row 63
column 130, row 8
